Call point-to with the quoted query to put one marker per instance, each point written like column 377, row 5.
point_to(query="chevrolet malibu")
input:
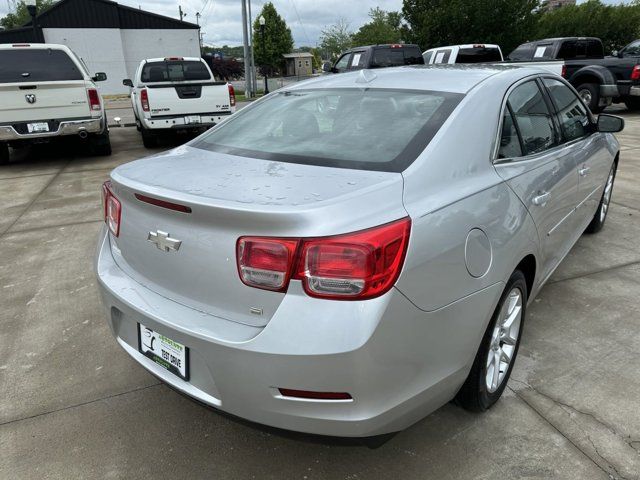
column 348, row 254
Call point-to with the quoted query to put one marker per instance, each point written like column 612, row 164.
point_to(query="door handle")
column 584, row 171
column 541, row 199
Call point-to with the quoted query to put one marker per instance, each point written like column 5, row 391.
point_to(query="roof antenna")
column 366, row 76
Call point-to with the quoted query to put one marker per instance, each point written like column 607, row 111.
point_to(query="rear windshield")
column 174, row 71
column 370, row 129
column 393, row 57
column 478, row 55
column 33, row 65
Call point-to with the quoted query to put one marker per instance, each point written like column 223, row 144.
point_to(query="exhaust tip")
column 83, row 134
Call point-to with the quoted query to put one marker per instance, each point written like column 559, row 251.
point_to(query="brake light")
column 354, row 266
column 21, row 45
column 232, row 96
column 144, row 99
column 563, row 73
column 173, row 59
column 396, row 45
column 635, row 73
column 94, row 99
column 112, row 208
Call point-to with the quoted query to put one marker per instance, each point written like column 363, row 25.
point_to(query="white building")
column 109, row 37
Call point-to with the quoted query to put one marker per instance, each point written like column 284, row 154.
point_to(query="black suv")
column 376, row 56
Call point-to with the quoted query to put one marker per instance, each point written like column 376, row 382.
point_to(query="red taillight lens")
column 232, row 96
column 635, row 73
column 563, row 73
column 112, row 208
column 358, row 265
column 94, row 99
column 266, row 262
column 354, row 266
column 144, row 99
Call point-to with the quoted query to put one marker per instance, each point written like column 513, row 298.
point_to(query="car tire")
column 499, row 348
column 4, row 153
column 632, row 103
column 597, row 222
column 149, row 139
column 590, row 94
column 100, row 144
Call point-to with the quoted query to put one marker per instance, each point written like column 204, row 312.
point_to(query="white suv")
column 46, row 91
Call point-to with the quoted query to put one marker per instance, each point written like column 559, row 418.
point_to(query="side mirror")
column 610, row 123
column 100, row 77
column 327, row 67
column 127, row 82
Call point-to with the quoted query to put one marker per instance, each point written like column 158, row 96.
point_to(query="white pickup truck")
column 46, row 92
column 177, row 94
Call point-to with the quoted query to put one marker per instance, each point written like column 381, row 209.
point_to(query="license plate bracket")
column 169, row 354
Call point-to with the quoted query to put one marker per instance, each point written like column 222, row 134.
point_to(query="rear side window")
column 336, row 127
column 478, row 55
column 174, row 71
column 509, row 139
column 442, row 56
column 594, row 49
column 543, row 52
column 37, row 65
column 532, row 118
column 568, row 50
column 357, row 60
column 572, row 114
column 393, row 57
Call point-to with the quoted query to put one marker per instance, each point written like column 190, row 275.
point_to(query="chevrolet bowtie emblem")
column 163, row 242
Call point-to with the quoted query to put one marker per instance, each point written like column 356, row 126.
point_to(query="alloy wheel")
column 504, row 340
column 606, row 197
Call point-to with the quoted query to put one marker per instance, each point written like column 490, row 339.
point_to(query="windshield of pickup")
column 37, row 65
column 174, row 71
column 367, row 129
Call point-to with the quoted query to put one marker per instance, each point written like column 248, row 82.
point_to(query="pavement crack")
column 595, row 272
column 69, row 407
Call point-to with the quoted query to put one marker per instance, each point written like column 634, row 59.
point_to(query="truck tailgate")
column 188, row 98
column 43, row 101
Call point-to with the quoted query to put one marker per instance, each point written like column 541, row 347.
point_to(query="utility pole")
column 247, row 57
column 182, row 14
column 254, row 76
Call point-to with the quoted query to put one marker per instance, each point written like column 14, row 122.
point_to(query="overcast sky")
column 222, row 25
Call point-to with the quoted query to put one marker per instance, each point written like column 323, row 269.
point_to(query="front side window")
column 342, row 64
column 370, row 129
column 532, row 117
column 523, row 53
column 632, row 50
column 572, row 114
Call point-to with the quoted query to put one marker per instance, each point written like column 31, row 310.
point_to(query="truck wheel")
column 590, row 94
column 4, row 153
column 100, row 144
column 149, row 139
column 632, row 103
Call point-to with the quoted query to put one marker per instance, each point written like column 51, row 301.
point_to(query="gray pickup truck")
column 598, row 79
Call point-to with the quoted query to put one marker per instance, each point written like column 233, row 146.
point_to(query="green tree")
column 384, row 27
column 615, row 25
column 277, row 39
column 21, row 15
column 335, row 39
column 434, row 23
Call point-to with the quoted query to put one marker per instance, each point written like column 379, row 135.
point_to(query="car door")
column 539, row 170
column 592, row 158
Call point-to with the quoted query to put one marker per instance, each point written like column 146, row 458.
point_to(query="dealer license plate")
column 192, row 119
column 38, row 127
column 165, row 352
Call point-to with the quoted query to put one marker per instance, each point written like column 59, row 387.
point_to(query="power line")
column 295, row 9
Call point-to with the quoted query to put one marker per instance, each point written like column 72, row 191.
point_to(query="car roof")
column 466, row 45
column 383, row 45
column 39, row 46
column 560, row 39
column 459, row 78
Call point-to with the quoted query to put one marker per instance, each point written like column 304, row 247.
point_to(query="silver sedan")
column 348, row 254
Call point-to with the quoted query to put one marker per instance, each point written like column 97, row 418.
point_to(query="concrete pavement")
column 74, row 405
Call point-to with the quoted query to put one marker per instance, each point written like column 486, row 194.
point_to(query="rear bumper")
column 65, row 127
column 183, row 121
column 634, row 91
column 398, row 363
column 609, row 91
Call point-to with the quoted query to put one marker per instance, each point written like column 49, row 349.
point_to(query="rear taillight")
column 94, row 99
column 112, row 208
column 232, row 96
column 144, row 99
column 266, row 262
column 354, row 266
column 563, row 73
column 635, row 73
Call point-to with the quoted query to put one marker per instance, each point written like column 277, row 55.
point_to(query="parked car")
column 596, row 77
column 470, row 53
column 177, row 94
column 308, row 266
column 46, row 92
column 375, row 56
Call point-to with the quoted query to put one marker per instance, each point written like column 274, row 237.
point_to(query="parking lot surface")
column 74, row 405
